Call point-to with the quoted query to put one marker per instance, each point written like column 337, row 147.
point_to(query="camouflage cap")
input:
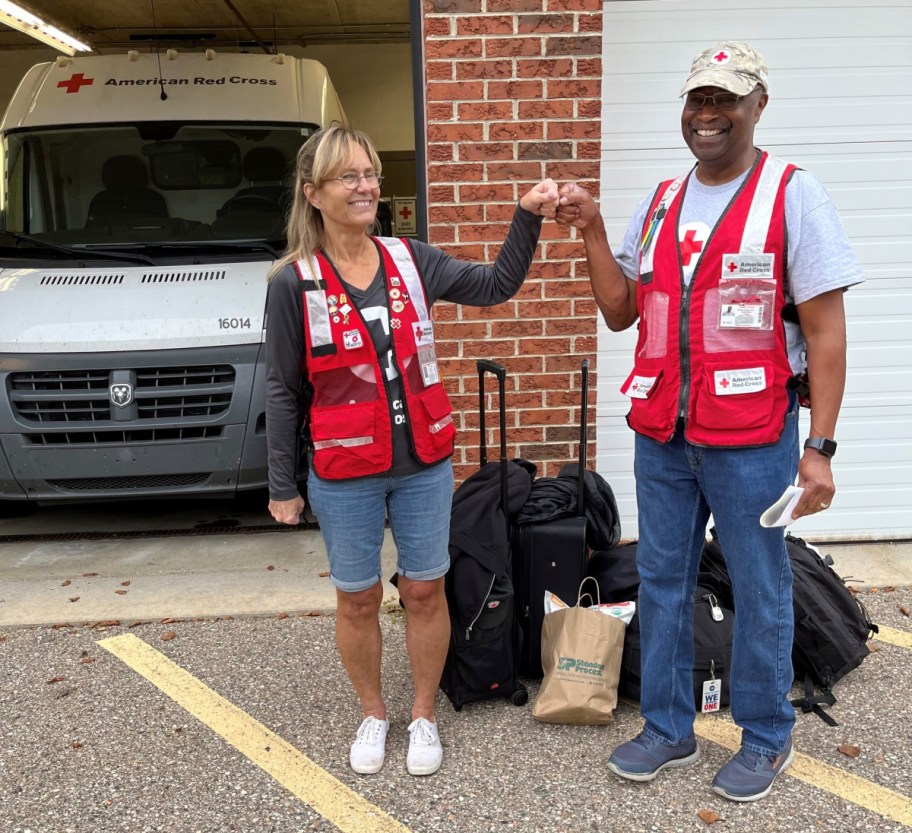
column 731, row 65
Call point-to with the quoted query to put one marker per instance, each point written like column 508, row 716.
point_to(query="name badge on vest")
column 423, row 331
column 352, row 339
column 639, row 387
column 748, row 265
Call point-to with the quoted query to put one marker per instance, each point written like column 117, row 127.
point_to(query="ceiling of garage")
column 255, row 24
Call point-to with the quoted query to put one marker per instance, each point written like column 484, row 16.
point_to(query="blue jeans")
column 678, row 486
column 352, row 515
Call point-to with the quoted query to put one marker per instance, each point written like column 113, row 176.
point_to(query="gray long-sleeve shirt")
column 444, row 277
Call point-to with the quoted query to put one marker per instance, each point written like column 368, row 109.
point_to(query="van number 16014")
column 234, row 323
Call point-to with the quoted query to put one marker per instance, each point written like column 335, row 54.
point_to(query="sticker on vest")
column 640, row 386
column 746, row 380
column 352, row 339
column 748, row 265
column 423, row 332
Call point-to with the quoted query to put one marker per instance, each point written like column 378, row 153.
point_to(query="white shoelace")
column 422, row 733
column 369, row 732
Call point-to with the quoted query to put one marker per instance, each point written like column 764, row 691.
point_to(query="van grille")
column 93, row 484
column 79, row 397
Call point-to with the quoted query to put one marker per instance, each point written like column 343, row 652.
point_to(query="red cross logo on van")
column 76, row 81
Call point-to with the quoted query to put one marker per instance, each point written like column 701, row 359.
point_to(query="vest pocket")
column 344, row 439
column 730, row 399
column 651, row 411
column 655, row 319
column 432, row 426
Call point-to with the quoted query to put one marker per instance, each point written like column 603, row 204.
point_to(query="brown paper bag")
column 581, row 658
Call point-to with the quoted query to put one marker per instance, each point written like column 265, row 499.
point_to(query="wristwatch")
column 824, row 446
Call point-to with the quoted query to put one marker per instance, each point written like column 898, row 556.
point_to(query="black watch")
column 821, row 444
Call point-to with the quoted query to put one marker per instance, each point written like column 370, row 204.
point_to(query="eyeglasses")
column 353, row 180
column 719, row 101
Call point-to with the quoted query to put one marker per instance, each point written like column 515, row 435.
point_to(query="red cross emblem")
column 732, row 266
column 724, row 383
column 721, row 57
column 76, row 81
column 690, row 246
column 405, row 212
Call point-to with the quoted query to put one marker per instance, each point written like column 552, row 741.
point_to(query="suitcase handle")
column 584, row 440
column 485, row 366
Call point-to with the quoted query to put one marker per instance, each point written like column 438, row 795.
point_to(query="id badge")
column 427, row 355
column 712, row 696
column 741, row 316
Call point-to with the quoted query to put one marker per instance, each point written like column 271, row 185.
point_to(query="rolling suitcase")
column 482, row 662
column 550, row 556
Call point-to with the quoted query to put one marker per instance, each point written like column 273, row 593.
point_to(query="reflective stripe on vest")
column 316, row 308
column 757, row 227
column 402, row 257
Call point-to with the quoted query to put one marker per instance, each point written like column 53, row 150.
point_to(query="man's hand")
column 541, row 199
column 815, row 475
column 287, row 511
column 577, row 208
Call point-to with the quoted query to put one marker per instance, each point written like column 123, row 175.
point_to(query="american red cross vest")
column 351, row 414
column 714, row 351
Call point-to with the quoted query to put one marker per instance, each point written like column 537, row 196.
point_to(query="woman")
column 349, row 316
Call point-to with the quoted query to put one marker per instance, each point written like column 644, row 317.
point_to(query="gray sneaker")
column 642, row 758
column 749, row 776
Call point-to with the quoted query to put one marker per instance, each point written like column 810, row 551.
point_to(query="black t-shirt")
column 444, row 278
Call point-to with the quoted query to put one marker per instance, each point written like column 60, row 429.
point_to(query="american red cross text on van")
column 144, row 82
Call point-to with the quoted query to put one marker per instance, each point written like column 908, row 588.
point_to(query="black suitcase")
column 550, row 555
column 482, row 662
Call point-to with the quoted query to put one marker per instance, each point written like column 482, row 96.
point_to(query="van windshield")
column 151, row 183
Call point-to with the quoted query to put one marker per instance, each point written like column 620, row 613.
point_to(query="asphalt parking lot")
column 241, row 722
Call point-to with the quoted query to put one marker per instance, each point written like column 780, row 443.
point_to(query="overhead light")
column 24, row 21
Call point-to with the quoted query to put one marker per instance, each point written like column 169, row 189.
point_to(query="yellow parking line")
column 833, row 780
column 894, row 637
column 295, row 771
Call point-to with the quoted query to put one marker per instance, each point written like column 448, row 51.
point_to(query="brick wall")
column 513, row 96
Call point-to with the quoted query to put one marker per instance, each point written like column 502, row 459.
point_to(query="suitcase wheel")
column 519, row 697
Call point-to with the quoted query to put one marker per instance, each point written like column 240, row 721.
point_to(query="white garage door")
column 840, row 106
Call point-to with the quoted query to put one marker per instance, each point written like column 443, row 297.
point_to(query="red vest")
column 351, row 415
column 714, row 352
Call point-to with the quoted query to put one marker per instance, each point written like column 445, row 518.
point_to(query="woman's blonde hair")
column 323, row 156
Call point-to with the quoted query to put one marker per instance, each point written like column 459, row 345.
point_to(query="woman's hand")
column 542, row 199
column 287, row 511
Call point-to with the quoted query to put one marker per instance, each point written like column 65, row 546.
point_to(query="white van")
column 143, row 201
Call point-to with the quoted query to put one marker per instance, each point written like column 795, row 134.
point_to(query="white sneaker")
column 425, row 753
column 369, row 748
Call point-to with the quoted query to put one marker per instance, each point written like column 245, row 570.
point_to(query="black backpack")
column 832, row 627
column 713, row 627
column 714, row 622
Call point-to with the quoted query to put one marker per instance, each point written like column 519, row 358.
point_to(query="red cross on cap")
column 721, row 57
column 724, row 383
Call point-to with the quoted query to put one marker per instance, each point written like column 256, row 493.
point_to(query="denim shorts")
column 351, row 514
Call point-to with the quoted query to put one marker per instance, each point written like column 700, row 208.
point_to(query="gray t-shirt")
column 444, row 278
column 820, row 257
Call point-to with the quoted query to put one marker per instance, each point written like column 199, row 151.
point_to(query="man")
column 736, row 272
